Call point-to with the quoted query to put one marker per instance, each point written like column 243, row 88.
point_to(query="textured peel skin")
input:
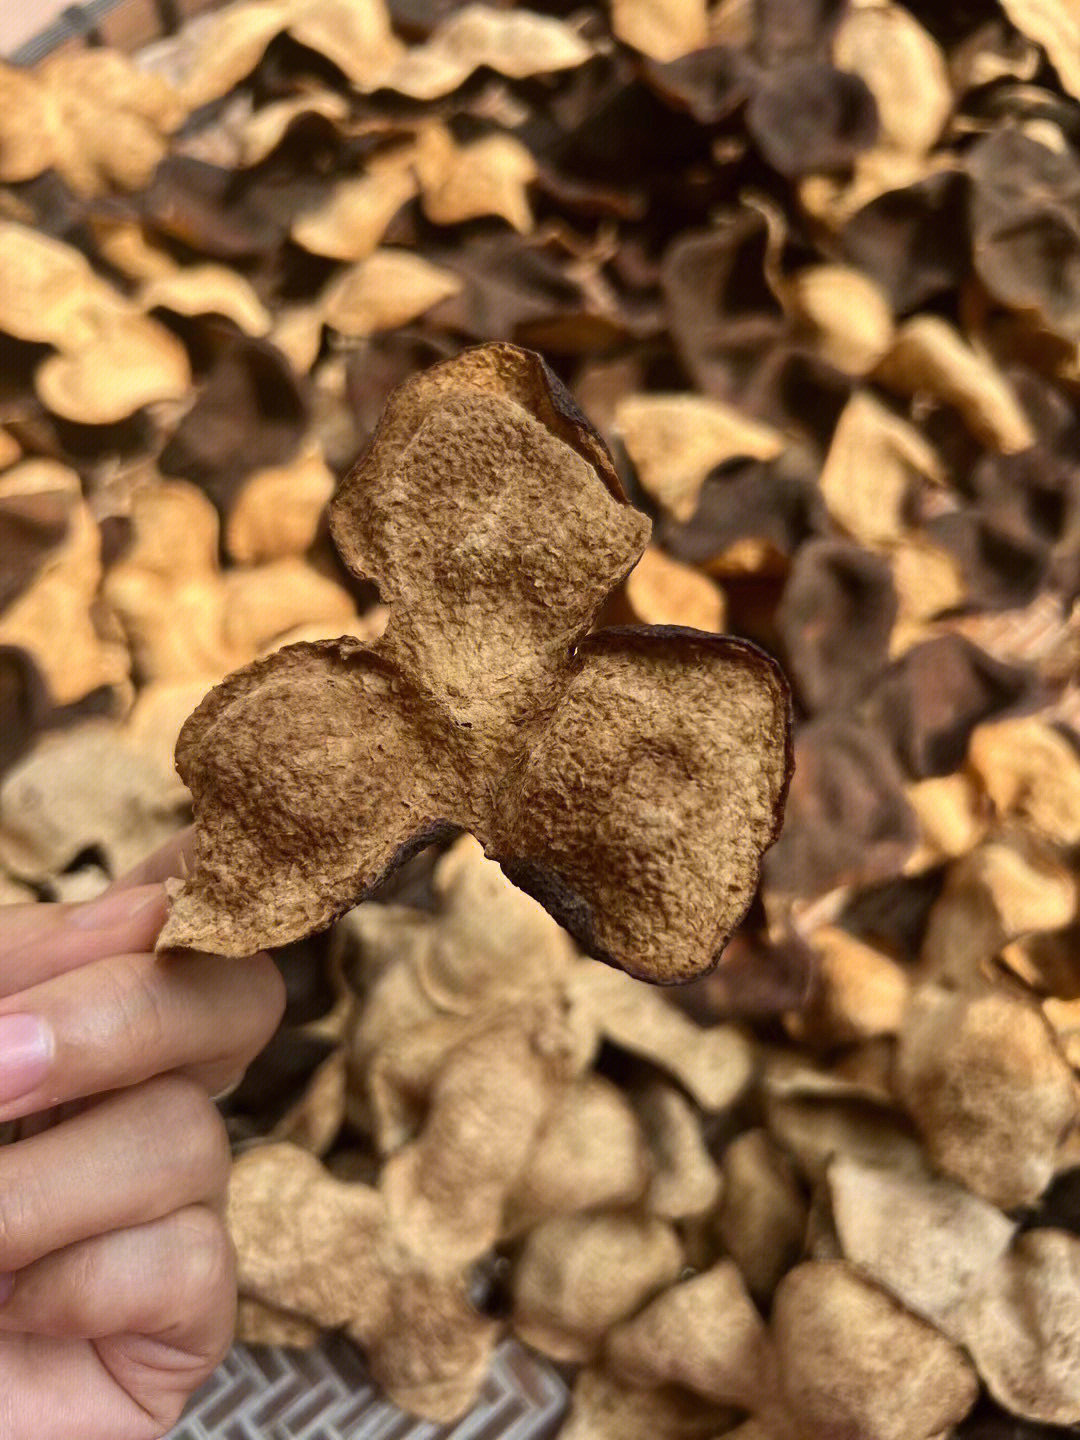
column 644, row 842
column 629, row 779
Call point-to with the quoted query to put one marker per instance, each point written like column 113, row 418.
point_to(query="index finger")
column 40, row 941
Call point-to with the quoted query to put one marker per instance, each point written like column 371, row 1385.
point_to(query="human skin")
column 117, row 1274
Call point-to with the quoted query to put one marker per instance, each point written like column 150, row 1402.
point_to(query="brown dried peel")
column 588, row 1154
column 855, row 1366
column 761, row 1220
column 326, row 1250
column 629, row 779
column 988, row 1089
column 704, row 1334
column 579, row 1275
column 602, row 1408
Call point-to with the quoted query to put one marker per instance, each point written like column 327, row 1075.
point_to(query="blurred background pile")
column 812, row 267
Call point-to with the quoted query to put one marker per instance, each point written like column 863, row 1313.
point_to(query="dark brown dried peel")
column 630, row 780
column 27, row 709
column 251, row 412
column 32, row 524
column 906, row 239
column 847, row 820
column 1026, row 230
column 838, row 609
column 811, row 117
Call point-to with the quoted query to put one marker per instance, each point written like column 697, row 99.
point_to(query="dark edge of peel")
column 432, row 832
column 577, row 431
column 547, row 886
column 565, row 406
column 574, row 913
column 564, row 904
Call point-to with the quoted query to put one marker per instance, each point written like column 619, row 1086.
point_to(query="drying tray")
column 266, row 1393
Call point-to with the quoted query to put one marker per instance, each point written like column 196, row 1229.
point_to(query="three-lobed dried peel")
column 630, row 779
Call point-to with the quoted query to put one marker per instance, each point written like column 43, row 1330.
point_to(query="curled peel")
column 629, row 779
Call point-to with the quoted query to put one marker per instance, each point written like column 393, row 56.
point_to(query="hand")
column 113, row 1244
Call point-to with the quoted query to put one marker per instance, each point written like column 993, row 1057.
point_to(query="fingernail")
column 116, row 907
column 26, row 1053
column 7, row 1286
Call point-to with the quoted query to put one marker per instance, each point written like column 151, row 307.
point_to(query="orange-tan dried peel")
column 629, row 779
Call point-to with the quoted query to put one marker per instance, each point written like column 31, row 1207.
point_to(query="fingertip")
column 268, row 997
column 172, row 861
column 278, row 991
column 120, row 909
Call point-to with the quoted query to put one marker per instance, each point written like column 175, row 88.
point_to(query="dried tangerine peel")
column 325, row 1251
column 629, row 779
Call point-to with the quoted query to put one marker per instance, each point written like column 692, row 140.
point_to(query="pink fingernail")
column 26, row 1053
column 116, row 907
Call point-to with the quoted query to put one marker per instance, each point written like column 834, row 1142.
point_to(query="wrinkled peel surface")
column 629, row 779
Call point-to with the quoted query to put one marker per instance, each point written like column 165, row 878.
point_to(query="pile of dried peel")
column 717, row 1231
column 813, row 269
